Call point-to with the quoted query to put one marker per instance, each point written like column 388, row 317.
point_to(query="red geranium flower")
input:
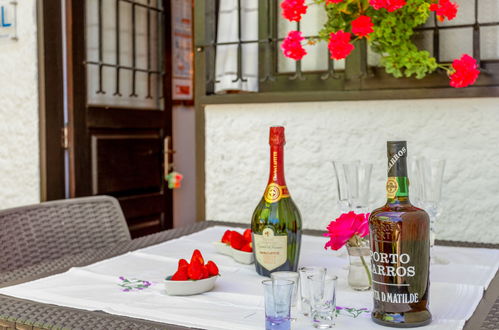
column 445, row 8
column 339, row 45
column 465, row 72
column 362, row 26
column 348, row 225
column 333, row 1
column 293, row 9
column 291, row 46
column 390, row 5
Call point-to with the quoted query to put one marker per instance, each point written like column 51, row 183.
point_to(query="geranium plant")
column 388, row 26
column 349, row 229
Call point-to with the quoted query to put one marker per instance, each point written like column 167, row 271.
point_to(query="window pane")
column 311, row 24
column 455, row 42
column 465, row 14
column 107, row 92
column 489, row 43
column 488, row 11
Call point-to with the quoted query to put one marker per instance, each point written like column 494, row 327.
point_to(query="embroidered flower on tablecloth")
column 133, row 284
column 352, row 312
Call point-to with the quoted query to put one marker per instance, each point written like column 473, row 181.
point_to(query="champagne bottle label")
column 270, row 249
column 275, row 193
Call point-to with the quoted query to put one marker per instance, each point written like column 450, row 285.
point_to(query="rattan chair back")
column 36, row 233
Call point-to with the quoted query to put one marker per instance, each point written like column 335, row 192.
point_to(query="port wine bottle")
column 400, row 251
column 276, row 223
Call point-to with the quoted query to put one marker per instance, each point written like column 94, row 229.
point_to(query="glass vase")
column 359, row 270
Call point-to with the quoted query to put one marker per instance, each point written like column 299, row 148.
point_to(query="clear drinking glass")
column 323, row 300
column 277, row 304
column 426, row 193
column 353, row 180
column 359, row 272
column 305, row 272
column 290, row 276
column 430, row 174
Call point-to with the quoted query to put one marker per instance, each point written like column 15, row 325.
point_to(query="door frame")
column 51, row 37
column 51, row 99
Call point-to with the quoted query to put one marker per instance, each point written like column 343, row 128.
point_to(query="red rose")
column 444, row 8
column 291, row 46
column 339, row 45
column 465, row 72
column 362, row 26
column 390, row 5
column 345, row 227
column 293, row 9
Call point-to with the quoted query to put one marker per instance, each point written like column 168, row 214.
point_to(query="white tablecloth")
column 237, row 299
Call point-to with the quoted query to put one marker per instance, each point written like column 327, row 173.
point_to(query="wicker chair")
column 33, row 234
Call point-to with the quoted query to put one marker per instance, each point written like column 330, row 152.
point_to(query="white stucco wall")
column 19, row 132
column 463, row 131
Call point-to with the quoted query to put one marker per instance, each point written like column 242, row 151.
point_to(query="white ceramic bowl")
column 243, row 257
column 223, row 248
column 189, row 287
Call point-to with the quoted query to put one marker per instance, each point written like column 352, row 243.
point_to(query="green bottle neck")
column 397, row 190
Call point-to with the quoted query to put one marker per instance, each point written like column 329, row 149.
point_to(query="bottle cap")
column 396, row 148
column 276, row 136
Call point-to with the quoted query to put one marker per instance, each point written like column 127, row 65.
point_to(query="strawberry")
column 205, row 272
column 196, row 255
column 247, row 235
column 226, row 236
column 180, row 275
column 247, row 247
column 212, row 268
column 183, row 264
column 237, row 240
column 195, row 270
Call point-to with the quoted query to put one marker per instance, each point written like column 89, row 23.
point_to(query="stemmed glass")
column 426, row 190
column 352, row 181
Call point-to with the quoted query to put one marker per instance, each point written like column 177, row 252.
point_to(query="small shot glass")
column 305, row 272
column 323, row 300
column 291, row 276
column 277, row 295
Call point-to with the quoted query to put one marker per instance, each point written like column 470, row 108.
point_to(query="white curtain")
column 226, row 61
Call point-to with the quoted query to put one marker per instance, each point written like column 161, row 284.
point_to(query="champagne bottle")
column 400, row 251
column 276, row 222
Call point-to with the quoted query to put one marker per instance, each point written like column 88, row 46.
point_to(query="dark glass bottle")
column 276, row 222
column 400, row 251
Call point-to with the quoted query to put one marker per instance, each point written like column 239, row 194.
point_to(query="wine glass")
column 429, row 173
column 353, row 179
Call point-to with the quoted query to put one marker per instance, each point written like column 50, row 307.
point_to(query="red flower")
column 291, row 46
column 444, row 8
column 345, row 227
column 362, row 26
column 293, row 9
column 390, row 5
column 328, row 2
column 339, row 45
column 465, row 72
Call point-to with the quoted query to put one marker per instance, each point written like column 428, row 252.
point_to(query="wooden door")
column 119, row 97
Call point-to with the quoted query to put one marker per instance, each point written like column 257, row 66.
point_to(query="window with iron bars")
column 475, row 31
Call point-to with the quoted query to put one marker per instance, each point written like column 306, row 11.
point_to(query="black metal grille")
column 152, row 70
column 357, row 74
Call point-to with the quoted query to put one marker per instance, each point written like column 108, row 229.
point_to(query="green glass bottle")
column 276, row 222
column 400, row 251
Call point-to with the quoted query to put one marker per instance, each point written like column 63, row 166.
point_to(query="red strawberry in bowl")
column 247, row 247
column 226, row 237
column 247, row 235
column 237, row 240
column 192, row 278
